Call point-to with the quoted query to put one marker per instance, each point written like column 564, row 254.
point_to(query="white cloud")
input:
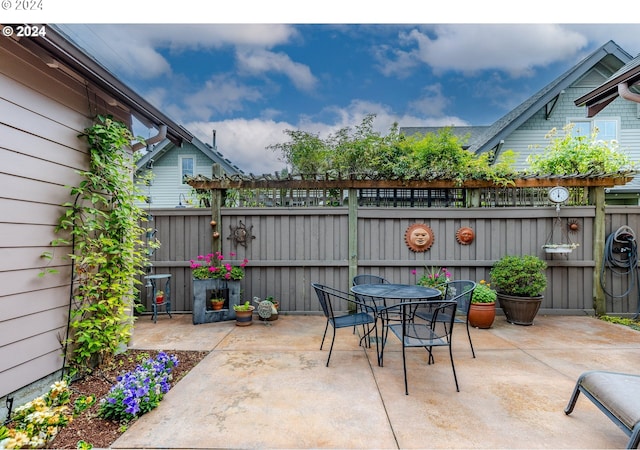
column 514, row 48
column 134, row 49
column 263, row 61
column 245, row 141
column 222, row 94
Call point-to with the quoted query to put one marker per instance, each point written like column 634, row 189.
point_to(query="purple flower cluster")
column 139, row 391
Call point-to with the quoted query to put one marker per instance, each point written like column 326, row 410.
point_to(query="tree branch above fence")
column 314, row 181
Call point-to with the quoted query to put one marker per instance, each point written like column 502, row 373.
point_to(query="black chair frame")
column 413, row 332
column 460, row 291
column 363, row 314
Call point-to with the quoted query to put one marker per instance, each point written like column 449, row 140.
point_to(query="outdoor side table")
column 156, row 281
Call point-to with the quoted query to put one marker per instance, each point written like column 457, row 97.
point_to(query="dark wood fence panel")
column 621, row 284
column 294, row 247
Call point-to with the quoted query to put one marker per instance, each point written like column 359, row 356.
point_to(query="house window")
column 607, row 128
column 186, row 167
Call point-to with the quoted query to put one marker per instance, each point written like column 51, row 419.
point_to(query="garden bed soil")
column 99, row 432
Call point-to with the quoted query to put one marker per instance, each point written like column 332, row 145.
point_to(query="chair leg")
column 404, row 368
column 574, row 398
column 454, row 368
column 331, row 348
column 469, row 335
column 634, row 440
column 326, row 327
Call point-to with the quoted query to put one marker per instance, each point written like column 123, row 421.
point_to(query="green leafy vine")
column 108, row 251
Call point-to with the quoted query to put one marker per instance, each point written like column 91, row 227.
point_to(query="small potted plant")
column 482, row 310
column 435, row 277
column 217, row 303
column 244, row 314
column 520, row 282
column 159, row 297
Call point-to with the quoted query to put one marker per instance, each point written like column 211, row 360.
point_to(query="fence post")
column 353, row 233
column 597, row 199
column 216, row 216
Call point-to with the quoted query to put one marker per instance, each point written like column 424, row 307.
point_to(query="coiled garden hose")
column 621, row 257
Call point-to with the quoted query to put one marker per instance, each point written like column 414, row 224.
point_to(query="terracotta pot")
column 481, row 315
column 217, row 305
column 519, row 310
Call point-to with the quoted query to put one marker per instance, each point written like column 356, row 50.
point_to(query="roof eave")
column 68, row 54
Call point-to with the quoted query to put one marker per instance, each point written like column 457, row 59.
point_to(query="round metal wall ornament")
column 241, row 235
column 465, row 235
column 419, row 237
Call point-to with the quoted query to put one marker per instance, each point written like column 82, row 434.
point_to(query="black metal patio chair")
column 412, row 331
column 335, row 306
column 369, row 279
column 460, row 291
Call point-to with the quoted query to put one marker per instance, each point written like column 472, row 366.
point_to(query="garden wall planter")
column 202, row 290
column 519, row 310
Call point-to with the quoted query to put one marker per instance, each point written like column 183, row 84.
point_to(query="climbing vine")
column 104, row 225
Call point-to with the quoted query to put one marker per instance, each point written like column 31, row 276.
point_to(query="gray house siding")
column 166, row 186
column 50, row 91
column 41, row 114
column 167, row 189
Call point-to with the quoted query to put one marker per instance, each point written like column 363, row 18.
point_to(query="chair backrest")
column 461, row 292
column 324, row 299
column 442, row 314
column 369, row 279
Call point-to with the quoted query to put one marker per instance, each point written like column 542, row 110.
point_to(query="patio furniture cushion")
column 617, row 395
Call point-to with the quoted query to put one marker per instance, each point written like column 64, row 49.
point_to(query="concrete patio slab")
column 266, row 386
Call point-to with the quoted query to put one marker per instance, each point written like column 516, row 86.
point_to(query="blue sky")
column 250, row 82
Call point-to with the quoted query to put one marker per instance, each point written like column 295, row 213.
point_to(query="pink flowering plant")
column 434, row 277
column 213, row 265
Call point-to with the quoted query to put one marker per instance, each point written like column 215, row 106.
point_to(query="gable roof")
column 160, row 149
column 58, row 51
column 507, row 124
column 597, row 99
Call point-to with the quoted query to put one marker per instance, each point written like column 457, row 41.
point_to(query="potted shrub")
column 520, row 282
column 482, row 310
column 244, row 314
column 159, row 297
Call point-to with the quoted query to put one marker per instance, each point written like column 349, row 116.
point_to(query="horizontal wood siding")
column 42, row 112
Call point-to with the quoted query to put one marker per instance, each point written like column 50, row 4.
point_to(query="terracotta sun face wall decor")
column 465, row 235
column 419, row 237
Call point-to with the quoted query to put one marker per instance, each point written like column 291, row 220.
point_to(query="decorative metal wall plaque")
column 465, row 235
column 241, row 235
column 419, row 237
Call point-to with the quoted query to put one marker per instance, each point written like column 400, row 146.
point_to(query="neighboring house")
column 170, row 163
column 524, row 128
column 50, row 91
column 621, row 90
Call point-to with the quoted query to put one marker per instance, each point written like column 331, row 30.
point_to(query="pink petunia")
column 414, row 271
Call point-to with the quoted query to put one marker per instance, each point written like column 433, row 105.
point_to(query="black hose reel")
column 621, row 257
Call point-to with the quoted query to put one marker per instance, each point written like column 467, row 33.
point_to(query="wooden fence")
column 289, row 248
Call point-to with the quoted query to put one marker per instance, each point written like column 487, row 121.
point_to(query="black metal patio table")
column 389, row 294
